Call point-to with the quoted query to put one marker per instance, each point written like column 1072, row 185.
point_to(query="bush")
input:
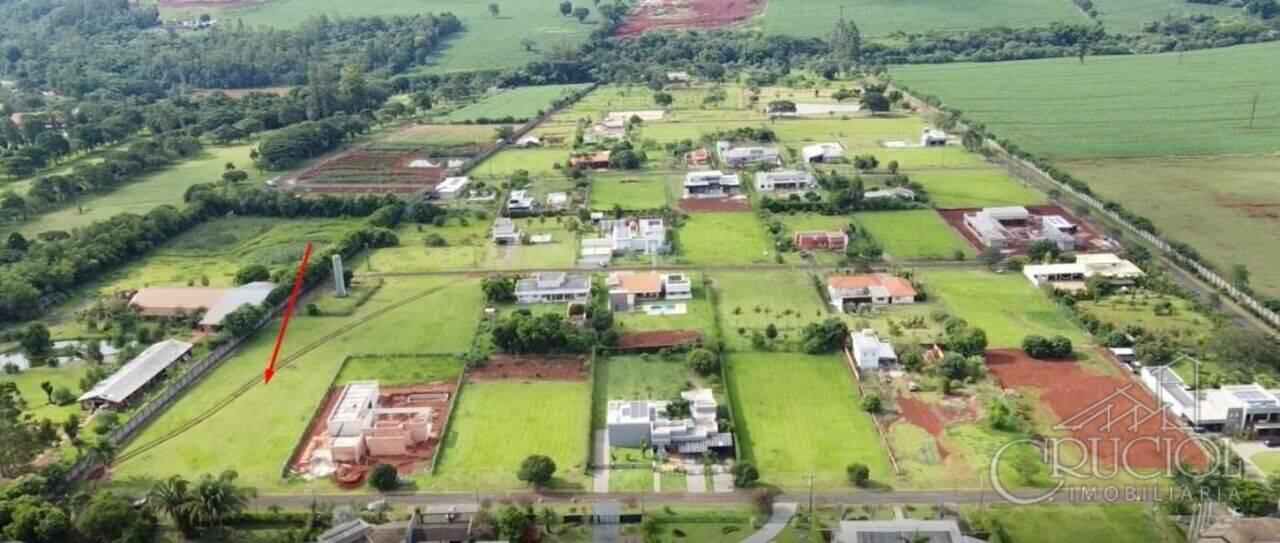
column 703, row 362
column 859, row 474
column 762, row 500
column 251, row 273
column 384, row 477
column 872, row 404
column 537, row 470
column 745, row 474
column 1042, row 347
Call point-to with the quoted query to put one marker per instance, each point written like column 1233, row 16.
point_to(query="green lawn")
column 725, row 238
column 1139, row 308
column 1267, row 461
column 630, row 480
column 534, row 161
column 918, row 234
column 979, row 187
column 1083, row 522
column 815, row 18
column 637, row 378
column 699, row 316
column 751, row 301
column 37, row 403
column 498, row 424
column 859, row 135
column 470, row 247
column 520, row 104
column 638, row 192
column 438, row 323
column 799, row 415
column 399, row 371
column 1006, row 306
column 162, row 187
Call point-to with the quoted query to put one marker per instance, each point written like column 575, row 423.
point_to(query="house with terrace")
column 646, row 236
column 1229, row 409
column 641, row 423
column 628, row 290
column 711, row 184
column 505, row 232
column 849, row 291
column 819, row 240
column 819, row 153
column 741, row 157
column 520, row 203
column 785, row 181
column 1072, row 276
column 553, row 287
column 1013, row 227
column 870, row 352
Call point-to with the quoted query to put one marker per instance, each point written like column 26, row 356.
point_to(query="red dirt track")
column 1084, row 401
column 920, row 414
column 673, row 15
column 530, row 368
column 656, row 339
column 715, row 205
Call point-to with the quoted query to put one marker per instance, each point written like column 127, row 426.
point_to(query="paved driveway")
column 782, row 513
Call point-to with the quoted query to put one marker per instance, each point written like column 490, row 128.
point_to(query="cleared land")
column 522, row 103
column 1006, row 306
column 798, row 415
column 724, row 238
column 917, row 234
column 469, row 247
column 1079, row 522
column 499, row 423
column 287, row 405
column 638, row 192
column 879, row 18
column 751, row 301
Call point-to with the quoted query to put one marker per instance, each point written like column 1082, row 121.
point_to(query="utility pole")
column 811, row 517
column 1253, row 109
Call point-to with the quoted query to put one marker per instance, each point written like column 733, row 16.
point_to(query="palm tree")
column 172, row 497
column 101, row 452
column 218, row 499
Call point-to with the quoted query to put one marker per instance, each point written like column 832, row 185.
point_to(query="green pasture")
column 1223, row 206
column 1129, row 15
column 469, row 247
column 436, row 323
column 37, row 403
column 798, row 415
column 1117, row 106
column 630, row 192
column 399, row 371
column 918, row 234
column 613, row 98
column 816, row 18
column 1006, row 306
column 974, row 187
column 1268, row 461
column 1138, row 307
column 860, row 135
column 725, row 238
column 1083, row 522
column 498, row 424
column 535, row 161
column 751, row 301
column 521, row 104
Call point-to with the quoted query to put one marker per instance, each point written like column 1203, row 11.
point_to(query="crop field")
column 1083, row 522
column 859, row 135
column 638, row 192
column 724, row 238
column 469, row 247
column 287, row 405
column 636, row 378
column 1129, row 15
column 879, row 18
column 486, row 41
column 161, row 187
column 1227, row 207
column 1006, row 306
column 37, row 403
column 499, row 423
column 789, row 302
column 1118, row 106
column 798, row 415
column 917, row 234
column 520, row 104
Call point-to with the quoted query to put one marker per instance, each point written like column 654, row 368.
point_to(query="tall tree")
column 846, row 40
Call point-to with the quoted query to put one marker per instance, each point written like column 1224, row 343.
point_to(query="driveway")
column 782, row 513
column 600, row 456
column 1246, row 450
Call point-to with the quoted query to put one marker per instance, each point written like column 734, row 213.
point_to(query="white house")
column 505, row 232
column 870, row 352
column 645, row 236
column 1229, row 409
column 886, row 531
column 640, row 423
column 520, row 202
column 628, row 289
column 451, row 187
column 785, row 181
column 740, row 157
column 1072, row 276
column 933, row 138
column 552, row 287
column 711, row 184
column 823, row 152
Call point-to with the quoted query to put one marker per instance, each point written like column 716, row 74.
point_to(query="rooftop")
column 895, row 286
column 138, row 372
column 247, row 294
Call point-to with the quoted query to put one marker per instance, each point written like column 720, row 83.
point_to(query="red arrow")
column 288, row 312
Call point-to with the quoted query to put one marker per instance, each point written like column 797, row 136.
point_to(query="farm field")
column 1083, row 522
column 499, row 423
column 789, row 303
column 638, row 192
column 439, row 135
column 1117, row 106
column 724, row 238
column 165, row 186
column 916, row 234
column 486, row 41
column 288, row 404
column 1234, row 201
column 1006, row 306
column 878, row 19
column 1129, row 15
column 520, row 104
column 798, row 415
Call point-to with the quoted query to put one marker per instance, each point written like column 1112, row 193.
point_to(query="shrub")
column 537, row 470
column 1042, row 347
column 703, row 362
column 384, row 477
column 872, row 404
column 745, row 474
column 859, row 474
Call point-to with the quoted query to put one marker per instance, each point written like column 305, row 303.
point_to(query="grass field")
column 486, row 41
column 1129, row 15
column 724, row 238
column 699, row 315
column 638, row 192
column 815, row 18
column 1234, row 202
column 798, row 415
column 750, row 301
column 521, row 104
column 498, row 424
column 399, row 371
column 437, row 326
column 162, row 187
column 917, row 234
column 37, row 403
column 1267, row 461
column 1139, row 309
column 1083, row 522
column 1118, row 106
column 439, row 135
column 469, row 247
column 535, row 161
column 978, row 187
column 1006, row 306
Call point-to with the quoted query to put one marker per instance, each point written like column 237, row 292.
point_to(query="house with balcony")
column 711, row 184
column 553, row 287
column 785, row 181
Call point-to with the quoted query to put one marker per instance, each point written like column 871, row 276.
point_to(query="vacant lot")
column 917, row 234
column 816, row 17
column 1120, row 106
column 751, row 301
column 1081, row 522
column 469, row 247
column 399, row 371
column 974, row 187
column 724, row 238
column 499, row 423
column 440, row 135
column 192, row 438
column 798, row 415
column 534, row 161
column 637, row 192
column 1006, row 306
column 1227, row 207
column 520, row 104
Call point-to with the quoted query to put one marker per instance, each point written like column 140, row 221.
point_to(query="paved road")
column 645, row 267
column 782, row 513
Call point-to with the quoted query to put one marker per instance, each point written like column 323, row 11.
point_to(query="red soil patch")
column 715, row 205
column 673, row 15
column 530, row 368
column 1112, row 413
column 656, row 339
column 1093, row 241
column 437, row 396
column 921, row 414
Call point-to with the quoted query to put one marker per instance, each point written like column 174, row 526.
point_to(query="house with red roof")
column 850, row 291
